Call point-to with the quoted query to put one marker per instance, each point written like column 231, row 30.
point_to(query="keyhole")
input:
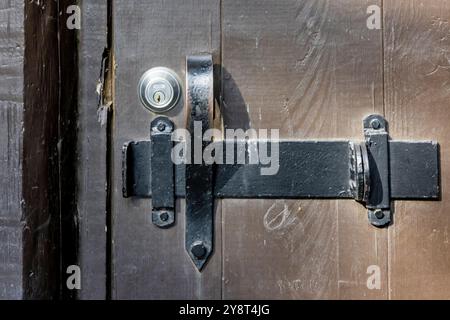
column 158, row 97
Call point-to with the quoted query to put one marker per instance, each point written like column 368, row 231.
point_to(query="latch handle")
column 199, row 175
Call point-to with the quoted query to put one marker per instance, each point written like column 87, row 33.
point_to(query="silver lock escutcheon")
column 159, row 89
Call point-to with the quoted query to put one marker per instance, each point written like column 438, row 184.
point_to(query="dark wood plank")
column 417, row 52
column 68, row 144
column 313, row 70
column 149, row 262
column 11, row 112
column 92, row 153
column 41, row 263
column 49, row 150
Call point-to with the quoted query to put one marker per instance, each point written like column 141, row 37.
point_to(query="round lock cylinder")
column 159, row 89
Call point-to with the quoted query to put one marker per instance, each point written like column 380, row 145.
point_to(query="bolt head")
column 198, row 250
column 164, row 216
column 375, row 124
column 161, row 126
column 379, row 214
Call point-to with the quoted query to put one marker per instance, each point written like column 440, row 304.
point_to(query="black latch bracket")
column 377, row 143
column 162, row 172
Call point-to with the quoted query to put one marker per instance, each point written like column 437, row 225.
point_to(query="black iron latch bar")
column 308, row 170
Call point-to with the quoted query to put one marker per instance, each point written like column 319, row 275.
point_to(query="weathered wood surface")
column 92, row 146
column 149, row 262
column 41, row 264
column 11, row 111
column 417, row 91
column 49, row 150
column 313, row 70
column 310, row 68
column 68, row 153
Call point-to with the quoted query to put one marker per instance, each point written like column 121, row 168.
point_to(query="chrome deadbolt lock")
column 159, row 89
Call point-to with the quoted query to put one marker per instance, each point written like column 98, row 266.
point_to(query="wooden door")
column 312, row 69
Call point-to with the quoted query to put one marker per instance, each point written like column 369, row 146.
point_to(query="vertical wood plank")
column 417, row 69
column 149, row 262
column 41, row 264
column 49, row 150
column 68, row 144
column 11, row 113
column 92, row 153
column 313, row 70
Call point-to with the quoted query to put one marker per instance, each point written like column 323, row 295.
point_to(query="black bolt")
column 161, row 126
column 375, row 123
column 198, row 250
column 164, row 216
column 379, row 214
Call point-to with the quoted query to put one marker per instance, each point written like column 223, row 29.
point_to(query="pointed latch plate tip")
column 199, row 252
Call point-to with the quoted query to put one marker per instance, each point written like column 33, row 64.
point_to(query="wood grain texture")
column 49, row 150
column 68, row 144
column 313, row 70
column 417, row 69
column 92, row 153
column 149, row 262
column 41, row 264
column 11, row 113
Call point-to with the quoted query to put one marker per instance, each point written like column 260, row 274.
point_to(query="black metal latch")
column 375, row 171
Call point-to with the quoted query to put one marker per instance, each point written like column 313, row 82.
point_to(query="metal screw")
column 379, row 214
column 161, row 126
column 198, row 250
column 375, row 123
column 164, row 216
